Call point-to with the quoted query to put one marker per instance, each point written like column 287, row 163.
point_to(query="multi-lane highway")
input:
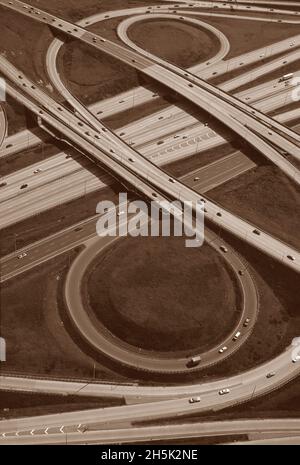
column 172, row 76
column 142, row 174
column 139, row 165
column 242, row 387
column 143, row 95
column 82, row 434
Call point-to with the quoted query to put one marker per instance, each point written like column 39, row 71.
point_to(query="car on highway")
column 22, row 255
column 38, row 170
column 120, row 213
column 196, row 178
column 194, row 400
column 296, row 359
column 241, row 273
column 236, row 336
column 271, row 374
column 8, row 146
column 3, row 184
column 223, row 248
column 224, row 391
column 223, row 349
column 256, row 231
column 78, row 229
column 246, row 322
column 102, row 40
column 290, row 257
column 24, row 186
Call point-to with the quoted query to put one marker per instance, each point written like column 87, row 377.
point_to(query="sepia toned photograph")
column 149, row 225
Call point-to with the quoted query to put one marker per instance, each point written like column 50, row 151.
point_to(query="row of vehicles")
column 194, row 361
column 23, row 186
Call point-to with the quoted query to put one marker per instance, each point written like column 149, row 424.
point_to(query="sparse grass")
column 20, row 404
column 157, row 294
column 183, row 44
column 267, row 198
column 37, row 341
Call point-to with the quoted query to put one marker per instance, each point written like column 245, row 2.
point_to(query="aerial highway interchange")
column 135, row 155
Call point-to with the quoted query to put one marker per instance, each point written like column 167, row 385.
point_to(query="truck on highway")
column 194, row 361
column 286, row 77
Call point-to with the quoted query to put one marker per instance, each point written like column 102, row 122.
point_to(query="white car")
column 224, row 391
column 246, row 322
column 121, row 212
column 223, row 349
column 38, row 170
column 194, row 400
column 22, row 255
column 296, row 359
